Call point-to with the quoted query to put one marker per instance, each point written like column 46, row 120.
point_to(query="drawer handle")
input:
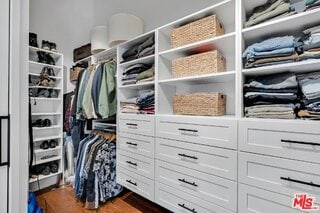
column 299, row 181
column 184, row 206
column 132, row 144
column 188, row 156
column 130, row 181
column 188, row 130
column 300, row 142
column 131, row 124
column 134, row 164
column 187, row 182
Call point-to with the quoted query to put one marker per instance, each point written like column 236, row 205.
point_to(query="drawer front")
column 137, row 144
column 279, row 175
column 211, row 160
column 136, row 183
column 254, row 200
column 293, row 140
column 213, row 189
column 180, row 202
column 136, row 163
column 137, row 124
column 206, row 131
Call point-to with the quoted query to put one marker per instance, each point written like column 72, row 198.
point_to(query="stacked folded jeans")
column 310, row 88
column 272, row 9
column 145, row 101
column 310, row 44
column 140, row 50
column 272, row 51
column 271, row 96
column 312, row 4
column 136, row 72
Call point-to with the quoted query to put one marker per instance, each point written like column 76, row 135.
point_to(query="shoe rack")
column 47, row 104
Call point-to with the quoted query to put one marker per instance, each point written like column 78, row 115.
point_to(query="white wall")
column 65, row 22
column 68, row 22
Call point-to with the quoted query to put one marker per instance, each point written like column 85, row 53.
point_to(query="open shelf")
column 299, row 67
column 46, row 138
column 224, row 117
column 145, row 85
column 42, row 87
column 201, row 79
column 284, row 26
column 38, row 151
column 105, row 54
column 46, row 128
column 36, row 49
column 42, row 177
column 38, row 162
column 37, row 65
column 46, row 99
column 86, row 59
column 37, row 75
column 147, row 60
column 46, row 113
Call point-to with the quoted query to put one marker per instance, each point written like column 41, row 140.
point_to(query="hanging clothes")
column 95, row 178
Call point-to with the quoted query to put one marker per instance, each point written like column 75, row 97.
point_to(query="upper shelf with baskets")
column 225, row 10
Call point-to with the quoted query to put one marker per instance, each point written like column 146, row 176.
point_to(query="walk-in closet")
column 180, row 106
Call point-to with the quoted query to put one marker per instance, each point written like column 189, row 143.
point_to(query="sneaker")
column 45, row 45
column 53, row 47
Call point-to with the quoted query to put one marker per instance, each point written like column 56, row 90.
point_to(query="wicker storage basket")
column 74, row 72
column 200, row 104
column 199, row 64
column 202, row 29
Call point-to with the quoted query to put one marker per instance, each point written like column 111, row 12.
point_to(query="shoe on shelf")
column 54, row 167
column 53, row 47
column 53, row 144
column 45, row 45
column 44, row 93
column 33, row 40
column 44, row 145
column 49, row 59
column 53, row 94
column 46, row 170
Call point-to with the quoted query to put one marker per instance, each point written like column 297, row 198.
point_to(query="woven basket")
column 202, row 29
column 213, row 104
column 199, row 64
column 74, row 72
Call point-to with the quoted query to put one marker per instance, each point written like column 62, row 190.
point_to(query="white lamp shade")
column 99, row 39
column 123, row 27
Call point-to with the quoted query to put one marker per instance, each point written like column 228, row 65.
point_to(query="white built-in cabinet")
column 218, row 164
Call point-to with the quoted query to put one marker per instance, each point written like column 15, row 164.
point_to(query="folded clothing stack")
column 145, row 101
column 142, row 104
column 271, row 96
column 140, row 50
column 309, row 44
column 310, row 88
column 272, row 51
column 138, row 73
column 271, row 10
column 312, row 4
column 129, row 106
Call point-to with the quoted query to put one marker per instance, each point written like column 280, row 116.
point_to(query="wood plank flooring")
column 62, row 200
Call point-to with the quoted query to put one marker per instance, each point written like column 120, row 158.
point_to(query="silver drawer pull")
column 130, row 181
column 299, row 181
column 188, row 156
column 132, row 125
column 300, row 142
column 131, row 163
column 132, row 144
column 187, row 182
column 189, row 209
column 188, row 132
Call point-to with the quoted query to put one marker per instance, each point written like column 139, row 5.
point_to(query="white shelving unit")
column 225, row 163
column 47, row 108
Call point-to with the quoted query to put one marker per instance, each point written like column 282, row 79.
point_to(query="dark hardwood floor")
column 62, row 200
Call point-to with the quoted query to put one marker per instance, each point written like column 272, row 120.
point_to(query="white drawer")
column 207, row 131
column 137, row 124
column 297, row 140
column 254, row 200
column 180, row 202
column 143, row 145
column 136, row 163
column 213, row 189
column 279, row 175
column 136, row 183
column 211, row 160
